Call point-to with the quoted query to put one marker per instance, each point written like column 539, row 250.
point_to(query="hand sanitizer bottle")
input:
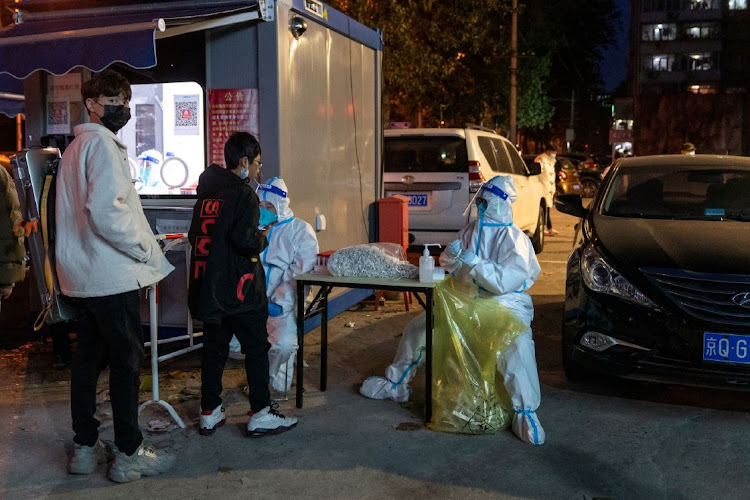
column 427, row 264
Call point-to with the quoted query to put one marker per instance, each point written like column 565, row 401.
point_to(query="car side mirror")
column 570, row 204
column 535, row 168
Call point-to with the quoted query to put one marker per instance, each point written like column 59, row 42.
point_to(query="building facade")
column 690, row 75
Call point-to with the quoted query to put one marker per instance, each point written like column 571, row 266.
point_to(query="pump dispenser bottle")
column 427, row 264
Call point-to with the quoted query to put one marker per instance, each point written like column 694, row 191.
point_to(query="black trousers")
column 109, row 333
column 250, row 330
column 549, row 219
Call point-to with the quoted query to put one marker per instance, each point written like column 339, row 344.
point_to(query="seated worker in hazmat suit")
column 499, row 258
column 292, row 250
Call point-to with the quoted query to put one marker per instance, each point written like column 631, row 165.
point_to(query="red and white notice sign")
column 229, row 111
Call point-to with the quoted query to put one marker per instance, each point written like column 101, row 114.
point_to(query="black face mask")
column 115, row 117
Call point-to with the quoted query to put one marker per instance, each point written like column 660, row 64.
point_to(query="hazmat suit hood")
column 276, row 192
column 500, row 193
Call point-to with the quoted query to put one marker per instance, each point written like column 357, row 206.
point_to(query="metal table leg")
column 300, row 341
column 428, row 361
column 324, row 339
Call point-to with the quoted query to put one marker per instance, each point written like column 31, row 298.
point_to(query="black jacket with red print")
column 226, row 275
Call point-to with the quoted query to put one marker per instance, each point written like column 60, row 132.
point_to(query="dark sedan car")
column 658, row 286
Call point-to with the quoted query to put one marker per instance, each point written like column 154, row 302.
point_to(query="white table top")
column 374, row 282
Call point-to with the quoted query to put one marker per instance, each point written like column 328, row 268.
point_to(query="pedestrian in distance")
column 227, row 289
column 688, row 149
column 547, row 160
column 105, row 253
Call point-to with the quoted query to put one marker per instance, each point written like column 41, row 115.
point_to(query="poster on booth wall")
column 186, row 114
column 63, row 102
column 229, row 111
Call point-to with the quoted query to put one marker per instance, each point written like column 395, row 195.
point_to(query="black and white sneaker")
column 269, row 421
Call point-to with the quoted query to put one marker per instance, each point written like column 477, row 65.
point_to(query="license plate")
column 726, row 347
column 416, row 200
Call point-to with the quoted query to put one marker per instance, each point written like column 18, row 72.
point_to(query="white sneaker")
column 269, row 421
column 210, row 420
column 382, row 388
column 146, row 461
column 85, row 458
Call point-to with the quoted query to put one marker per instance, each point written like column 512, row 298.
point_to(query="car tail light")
column 476, row 179
column 562, row 175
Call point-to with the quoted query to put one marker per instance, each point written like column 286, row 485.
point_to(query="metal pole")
column 513, row 133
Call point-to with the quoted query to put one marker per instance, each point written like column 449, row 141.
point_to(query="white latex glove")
column 453, row 249
column 468, row 257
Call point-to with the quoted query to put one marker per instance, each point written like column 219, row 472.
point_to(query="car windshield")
column 679, row 192
column 425, row 154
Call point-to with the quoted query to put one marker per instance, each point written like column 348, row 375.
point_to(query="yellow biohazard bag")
column 470, row 328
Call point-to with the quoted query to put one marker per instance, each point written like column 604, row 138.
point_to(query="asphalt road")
column 605, row 438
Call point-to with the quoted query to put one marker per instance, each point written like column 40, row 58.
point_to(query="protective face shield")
column 494, row 199
column 275, row 192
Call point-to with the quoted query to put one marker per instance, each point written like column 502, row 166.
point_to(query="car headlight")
column 603, row 278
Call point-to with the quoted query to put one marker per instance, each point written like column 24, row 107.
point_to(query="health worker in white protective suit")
column 498, row 257
column 292, row 250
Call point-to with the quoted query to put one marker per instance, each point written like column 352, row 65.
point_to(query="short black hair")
column 550, row 147
column 108, row 83
column 238, row 146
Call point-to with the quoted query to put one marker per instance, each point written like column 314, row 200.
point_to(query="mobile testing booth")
column 301, row 76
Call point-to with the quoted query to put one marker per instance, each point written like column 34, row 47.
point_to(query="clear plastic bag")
column 372, row 260
column 470, row 329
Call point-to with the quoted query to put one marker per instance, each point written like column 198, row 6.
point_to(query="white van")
column 440, row 170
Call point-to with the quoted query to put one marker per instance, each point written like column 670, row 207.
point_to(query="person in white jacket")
column 499, row 258
column 105, row 253
column 292, row 250
column 547, row 160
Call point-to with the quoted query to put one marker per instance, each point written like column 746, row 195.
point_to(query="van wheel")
column 537, row 241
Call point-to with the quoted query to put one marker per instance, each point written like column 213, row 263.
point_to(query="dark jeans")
column 60, row 333
column 250, row 330
column 549, row 219
column 109, row 333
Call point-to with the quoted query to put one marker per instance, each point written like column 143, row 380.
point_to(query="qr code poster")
column 58, row 117
column 186, row 110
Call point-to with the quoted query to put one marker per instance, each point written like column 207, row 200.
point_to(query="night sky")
column 614, row 66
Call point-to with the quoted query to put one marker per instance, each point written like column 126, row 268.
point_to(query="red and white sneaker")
column 211, row 419
column 268, row 421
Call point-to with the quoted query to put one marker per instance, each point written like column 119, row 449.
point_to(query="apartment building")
column 690, row 75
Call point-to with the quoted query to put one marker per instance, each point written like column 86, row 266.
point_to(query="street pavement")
column 605, row 439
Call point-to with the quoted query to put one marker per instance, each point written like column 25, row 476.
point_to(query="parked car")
column 567, row 175
column 590, row 178
column 441, row 169
column 658, row 285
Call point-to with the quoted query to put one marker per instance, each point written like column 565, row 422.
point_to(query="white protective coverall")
column 292, row 250
column 498, row 257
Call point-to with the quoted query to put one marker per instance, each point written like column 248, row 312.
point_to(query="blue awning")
column 94, row 38
column 11, row 96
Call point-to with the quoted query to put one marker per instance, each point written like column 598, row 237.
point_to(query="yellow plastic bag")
column 470, row 328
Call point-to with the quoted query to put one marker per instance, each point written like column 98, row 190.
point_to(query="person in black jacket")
column 227, row 285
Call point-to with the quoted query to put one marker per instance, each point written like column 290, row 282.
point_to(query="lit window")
column 661, row 62
column 737, row 4
column 657, row 32
column 702, row 89
column 702, row 30
column 700, row 62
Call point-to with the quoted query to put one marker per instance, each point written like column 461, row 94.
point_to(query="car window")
column 679, row 192
column 425, row 154
column 516, row 163
column 485, row 144
column 503, row 163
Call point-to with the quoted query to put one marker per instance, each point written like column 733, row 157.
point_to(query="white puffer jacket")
column 104, row 243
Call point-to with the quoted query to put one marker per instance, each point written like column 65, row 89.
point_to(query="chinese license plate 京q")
column 726, row 347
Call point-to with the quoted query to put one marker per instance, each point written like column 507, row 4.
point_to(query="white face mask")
column 553, row 155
